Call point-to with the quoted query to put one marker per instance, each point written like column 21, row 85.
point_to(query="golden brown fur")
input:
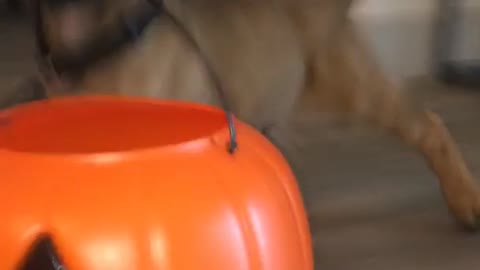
column 270, row 55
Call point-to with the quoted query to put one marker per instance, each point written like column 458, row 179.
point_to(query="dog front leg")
column 346, row 80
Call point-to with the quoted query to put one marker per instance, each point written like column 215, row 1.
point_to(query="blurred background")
column 372, row 202
column 406, row 33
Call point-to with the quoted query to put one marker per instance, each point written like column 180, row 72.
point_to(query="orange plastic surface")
column 125, row 183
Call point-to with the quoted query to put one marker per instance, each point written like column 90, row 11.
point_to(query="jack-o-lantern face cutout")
column 99, row 183
column 42, row 256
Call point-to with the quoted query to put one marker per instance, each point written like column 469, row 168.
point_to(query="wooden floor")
column 372, row 202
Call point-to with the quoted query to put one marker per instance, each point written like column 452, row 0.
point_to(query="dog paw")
column 464, row 204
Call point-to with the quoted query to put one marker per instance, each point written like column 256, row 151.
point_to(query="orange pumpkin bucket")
column 100, row 182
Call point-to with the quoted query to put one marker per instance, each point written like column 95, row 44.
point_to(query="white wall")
column 382, row 8
column 401, row 33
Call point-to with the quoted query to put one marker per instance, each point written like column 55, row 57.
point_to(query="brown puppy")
column 268, row 55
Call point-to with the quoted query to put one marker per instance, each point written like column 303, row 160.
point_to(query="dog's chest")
column 161, row 65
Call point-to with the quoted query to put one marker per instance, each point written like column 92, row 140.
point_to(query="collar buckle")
column 49, row 76
column 46, row 68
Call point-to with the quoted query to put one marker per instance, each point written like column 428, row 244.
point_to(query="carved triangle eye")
column 42, row 256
